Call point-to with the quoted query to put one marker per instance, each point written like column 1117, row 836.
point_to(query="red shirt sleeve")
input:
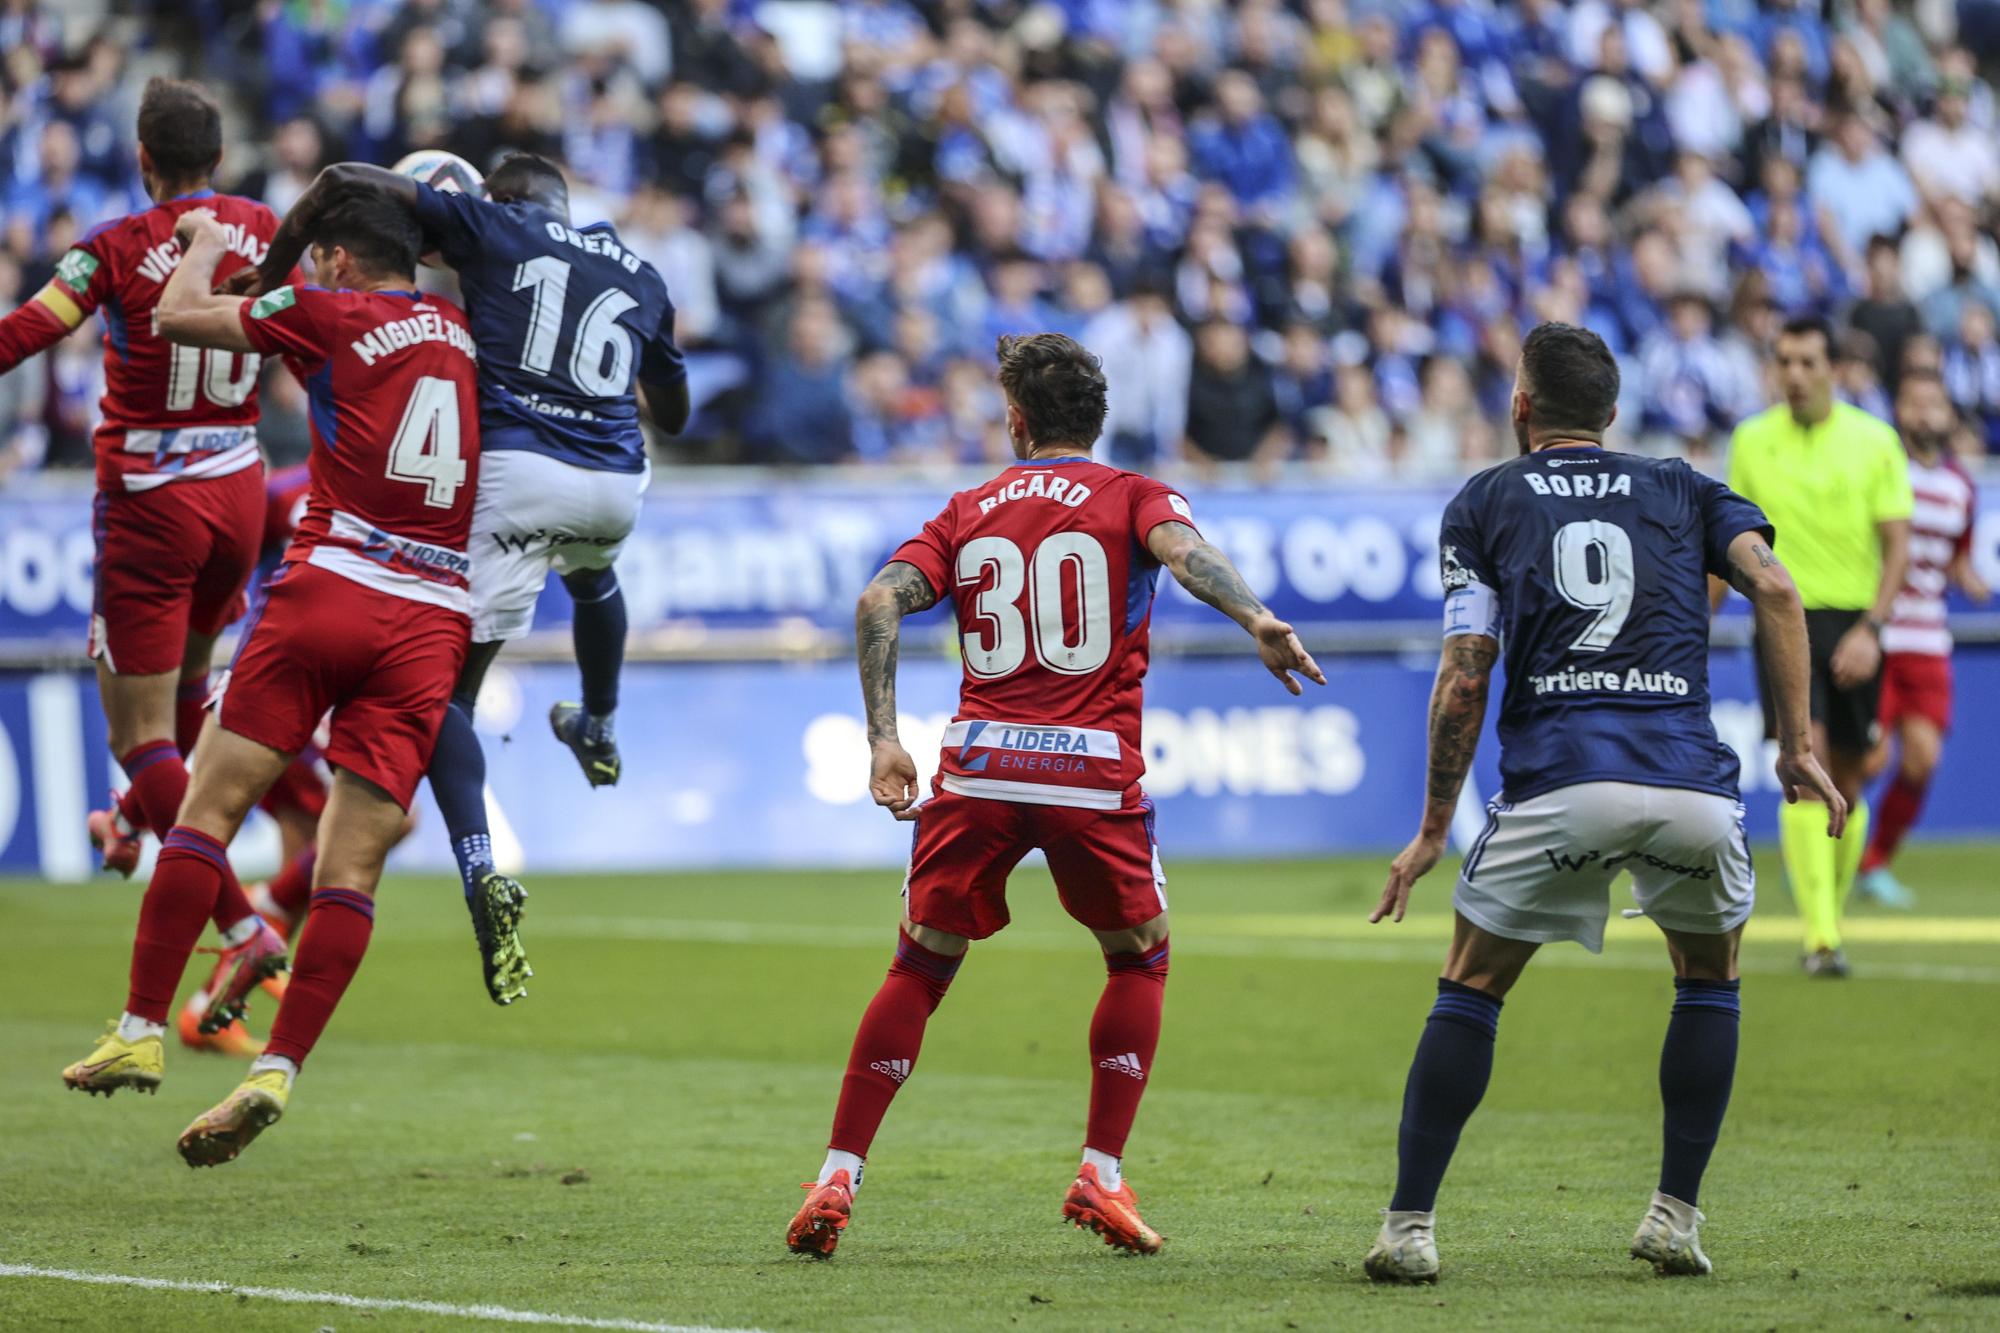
column 289, row 322
column 930, row 551
column 82, row 280
column 1154, row 503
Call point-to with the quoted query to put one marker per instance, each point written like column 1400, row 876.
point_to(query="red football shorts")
column 1105, row 862
column 172, row 561
column 383, row 664
column 1916, row 685
column 300, row 787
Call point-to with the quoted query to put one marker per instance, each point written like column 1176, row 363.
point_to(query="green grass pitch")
column 626, row 1144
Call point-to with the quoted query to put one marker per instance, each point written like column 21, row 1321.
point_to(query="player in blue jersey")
column 1592, row 568
column 575, row 333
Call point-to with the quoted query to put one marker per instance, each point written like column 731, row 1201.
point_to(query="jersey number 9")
column 1593, row 568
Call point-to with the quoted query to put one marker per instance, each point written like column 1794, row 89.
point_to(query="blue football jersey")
column 564, row 318
column 1591, row 567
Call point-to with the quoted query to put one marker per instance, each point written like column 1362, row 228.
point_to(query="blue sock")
column 598, row 631
column 458, row 781
column 1448, row 1077
column 1697, row 1066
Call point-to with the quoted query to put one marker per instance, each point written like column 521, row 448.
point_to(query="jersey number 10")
column 998, row 644
column 224, row 378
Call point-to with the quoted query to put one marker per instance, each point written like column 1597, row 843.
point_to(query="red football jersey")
column 1047, row 568
column 169, row 411
column 1940, row 531
column 390, row 389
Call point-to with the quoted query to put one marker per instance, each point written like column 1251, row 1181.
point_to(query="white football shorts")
column 1543, row 867
column 534, row 513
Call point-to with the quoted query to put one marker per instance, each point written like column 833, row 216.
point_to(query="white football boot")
column 1670, row 1238
column 1405, row 1250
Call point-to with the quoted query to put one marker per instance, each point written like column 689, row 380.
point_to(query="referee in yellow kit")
column 1835, row 483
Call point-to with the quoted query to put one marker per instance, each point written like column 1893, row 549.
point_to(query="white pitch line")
column 287, row 1295
column 1193, row 943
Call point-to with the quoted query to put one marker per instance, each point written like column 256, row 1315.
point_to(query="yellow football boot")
column 220, row 1134
column 117, row 1063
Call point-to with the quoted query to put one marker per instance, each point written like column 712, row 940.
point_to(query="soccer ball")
column 442, row 171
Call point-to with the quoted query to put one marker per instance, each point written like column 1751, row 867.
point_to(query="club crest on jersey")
column 76, row 269
column 271, row 303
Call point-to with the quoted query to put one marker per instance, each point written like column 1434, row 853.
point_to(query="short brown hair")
column 180, row 127
column 1057, row 384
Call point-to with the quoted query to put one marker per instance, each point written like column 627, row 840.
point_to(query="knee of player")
column 1144, row 939
column 591, row 585
column 1920, row 758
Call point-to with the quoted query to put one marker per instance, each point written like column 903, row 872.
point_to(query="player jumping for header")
column 367, row 617
column 1050, row 567
column 180, row 498
column 1591, row 567
column 573, row 330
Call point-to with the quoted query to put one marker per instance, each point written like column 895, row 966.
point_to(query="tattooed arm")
column 1207, row 573
column 899, row 590
column 1783, row 653
column 1458, row 711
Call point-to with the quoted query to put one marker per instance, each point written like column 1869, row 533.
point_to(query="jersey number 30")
column 1593, row 567
column 996, row 644
column 425, row 450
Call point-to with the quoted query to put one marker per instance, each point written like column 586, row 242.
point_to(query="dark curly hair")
column 181, row 128
column 1057, row 384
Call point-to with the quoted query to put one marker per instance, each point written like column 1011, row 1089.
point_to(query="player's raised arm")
column 190, row 310
column 1755, row 572
column 53, row 313
column 899, row 590
column 289, row 245
column 1206, row 572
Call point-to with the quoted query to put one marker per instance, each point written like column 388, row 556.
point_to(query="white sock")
column 132, row 1028
column 242, row 931
column 1107, row 1168
column 281, row 1063
column 836, row 1160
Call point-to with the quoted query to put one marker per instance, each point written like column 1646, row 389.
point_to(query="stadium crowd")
column 1310, row 232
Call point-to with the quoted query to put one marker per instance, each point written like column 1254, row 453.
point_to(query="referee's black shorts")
column 1848, row 714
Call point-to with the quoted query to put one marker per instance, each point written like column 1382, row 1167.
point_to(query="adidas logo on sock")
column 895, row 1069
column 1127, row 1063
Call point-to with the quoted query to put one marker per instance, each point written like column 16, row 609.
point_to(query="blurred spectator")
column 1355, row 432
column 1862, row 187
column 1303, row 383
column 1884, row 312
column 801, row 413
column 1689, row 391
column 1147, row 358
column 627, row 32
column 1437, row 434
column 1232, row 410
column 1947, row 155
column 1972, row 371
column 1855, row 378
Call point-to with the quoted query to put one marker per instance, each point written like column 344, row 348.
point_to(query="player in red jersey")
column 179, row 480
column 1916, row 643
column 1050, row 567
column 368, row 618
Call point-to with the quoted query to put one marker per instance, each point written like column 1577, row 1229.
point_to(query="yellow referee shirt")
column 1824, row 488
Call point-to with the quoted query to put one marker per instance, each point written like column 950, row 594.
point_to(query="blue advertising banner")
column 778, row 556
column 766, row 765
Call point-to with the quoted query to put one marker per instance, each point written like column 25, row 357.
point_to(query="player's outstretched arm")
column 41, row 322
column 1755, row 572
column 288, row 246
column 191, row 311
column 1206, row 572
column 1458, row 711
column 899, row 590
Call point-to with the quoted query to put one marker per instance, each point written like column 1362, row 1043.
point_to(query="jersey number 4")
column 996, row 644
column 425, row 450
column 1593, row 568
column 600, row 357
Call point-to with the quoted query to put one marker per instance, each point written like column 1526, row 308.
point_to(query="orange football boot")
column 118, row 848
column 1112, row 1214
column 828, row 1208
column 234, row 1039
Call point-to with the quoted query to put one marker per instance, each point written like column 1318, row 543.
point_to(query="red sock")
column 330, row 947
column 190, row 870
column 292, row 886
column 159, row 781
column 189, row 710
column 1124, row 1032
column 885, row 1047
column 1901, row 805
